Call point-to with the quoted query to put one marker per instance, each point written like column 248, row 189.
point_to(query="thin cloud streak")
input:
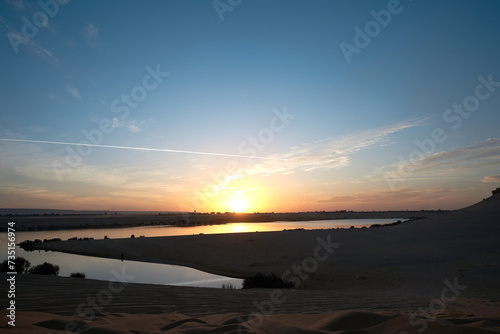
column 91, row 33
column 30, row 44
column 73, row 92
column 491, row 179
column 129, row 125
column 138, row 148
column 486, row 153
column 404, row 198
column 332, row 153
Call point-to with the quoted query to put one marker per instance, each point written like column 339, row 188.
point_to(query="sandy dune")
column 438, row 275
column 334, row 322
column 53, row 304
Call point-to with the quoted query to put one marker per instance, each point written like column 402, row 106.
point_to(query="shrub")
column 21, row 265
column 266, row 281
column 77, row 275
column 45, row 269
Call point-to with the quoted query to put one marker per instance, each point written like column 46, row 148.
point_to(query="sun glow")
column 238, row 204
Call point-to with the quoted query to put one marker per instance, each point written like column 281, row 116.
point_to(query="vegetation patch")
column 77, row 275
column 45, row 269
column 268, row 281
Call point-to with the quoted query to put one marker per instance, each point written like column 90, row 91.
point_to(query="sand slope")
column 333, row 322
column 47, row 304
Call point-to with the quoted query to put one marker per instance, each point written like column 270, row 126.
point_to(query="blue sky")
column 332, row 130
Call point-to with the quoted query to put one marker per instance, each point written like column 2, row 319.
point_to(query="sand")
column 437, row 275
column 49, row 304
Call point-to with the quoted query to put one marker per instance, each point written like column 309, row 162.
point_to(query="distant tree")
column 77, row 275
column 21, row 265
column 45, row 269
column 266, row 281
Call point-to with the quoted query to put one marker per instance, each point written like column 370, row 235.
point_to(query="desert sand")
column 436, row 275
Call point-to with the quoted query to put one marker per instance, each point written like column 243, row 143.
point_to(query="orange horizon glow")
column 247, row 196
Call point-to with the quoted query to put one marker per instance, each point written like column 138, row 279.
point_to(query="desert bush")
column 45, row 269
column 77, row 275
column 266, row 281
column 21, row 265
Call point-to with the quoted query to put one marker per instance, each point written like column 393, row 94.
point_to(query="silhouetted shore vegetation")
column 268, row 281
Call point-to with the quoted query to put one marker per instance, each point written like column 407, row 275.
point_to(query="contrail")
column 139, row 148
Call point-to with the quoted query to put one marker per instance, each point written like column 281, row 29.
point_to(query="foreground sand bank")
column 352, row 321
column 48, row 304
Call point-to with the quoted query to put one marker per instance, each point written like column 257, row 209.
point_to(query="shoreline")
column 407, row 253
column 69, row 222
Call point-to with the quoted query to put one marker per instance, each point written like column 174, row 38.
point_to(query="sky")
column 254, row 106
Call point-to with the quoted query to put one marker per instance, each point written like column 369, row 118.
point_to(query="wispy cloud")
column 73, row 92
column 128, row 125
column 91, row 33
column 465, row 159
column 133, row 128
column 117, row 123
column 405, row 196
column 18, row 4
column 330, row 153
column 491, row 179
column 18, row 40
column 227, row 179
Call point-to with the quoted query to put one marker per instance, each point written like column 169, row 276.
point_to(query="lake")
column 101, row 268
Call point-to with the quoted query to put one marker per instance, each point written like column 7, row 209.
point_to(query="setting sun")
column 238, row 204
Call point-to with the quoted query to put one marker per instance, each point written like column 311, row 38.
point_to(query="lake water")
column 101, row 268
